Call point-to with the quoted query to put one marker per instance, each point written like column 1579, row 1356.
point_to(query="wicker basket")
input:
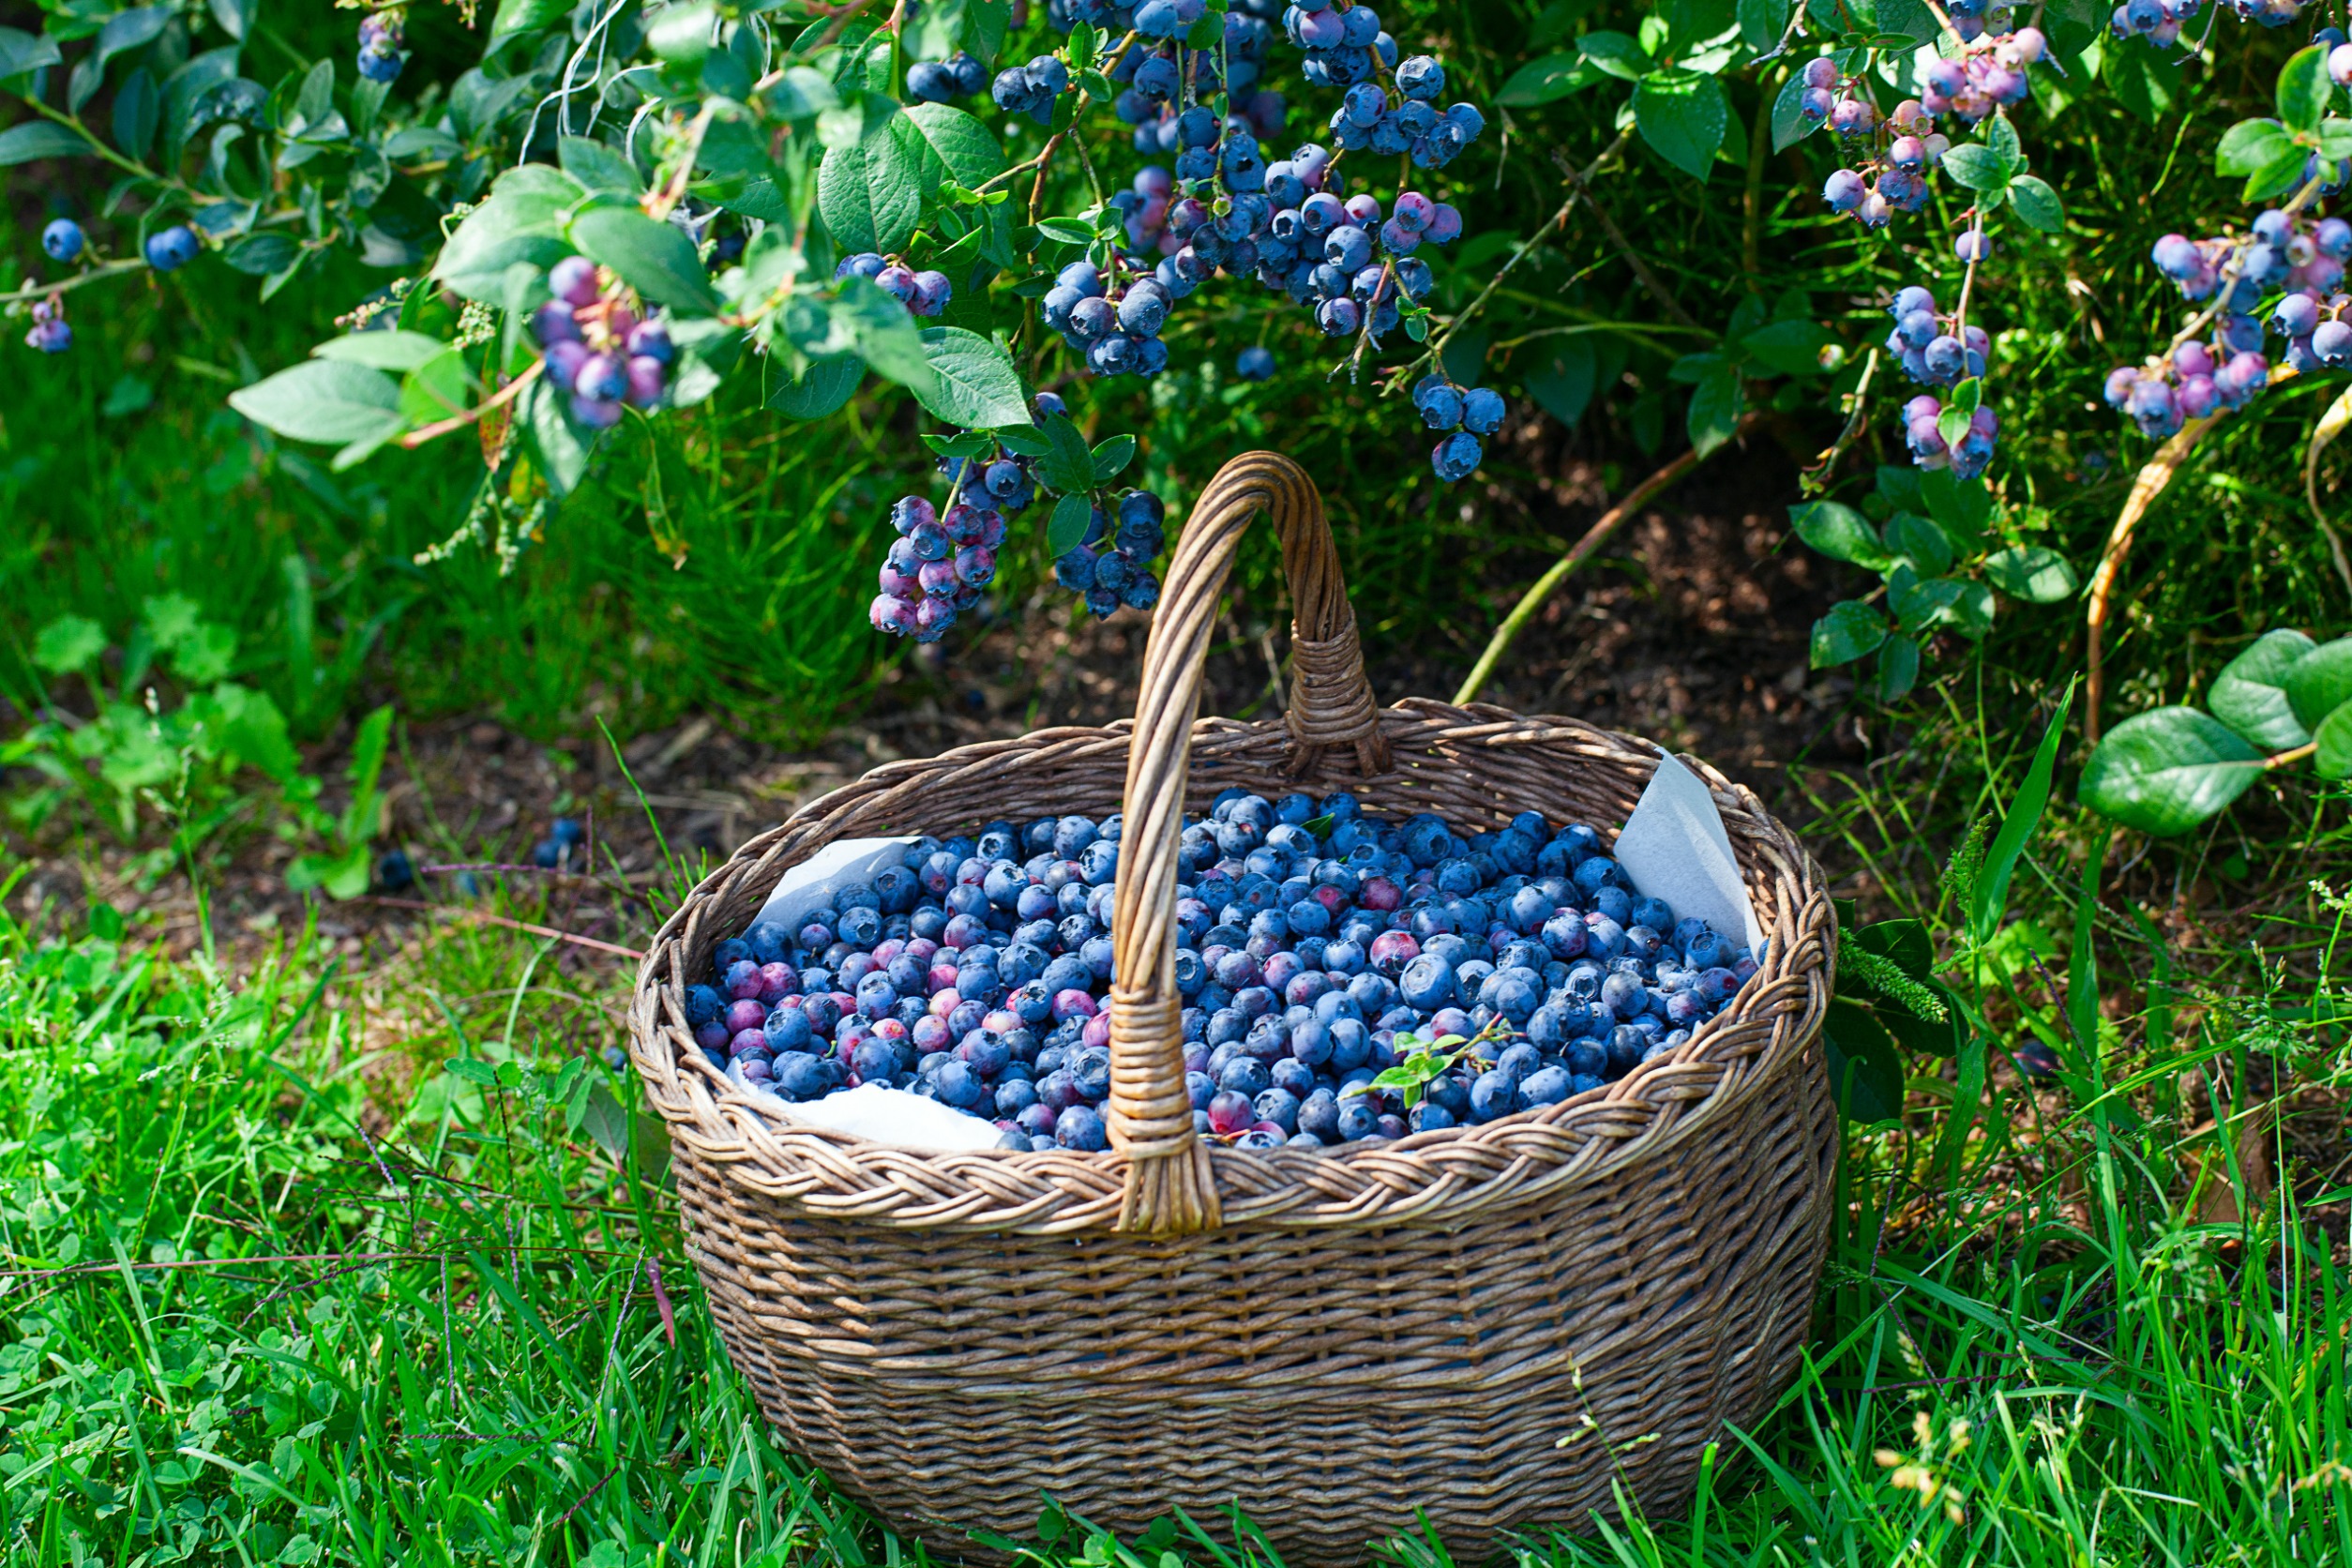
column 1487, row 1324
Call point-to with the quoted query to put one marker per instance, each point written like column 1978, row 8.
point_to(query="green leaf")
column 870, row 193
column 1544, row 80
column 1990, row 898
column 1920, row 602
column 1112, row 457
column 1840, row 533
column 652, row 257
column 2249, row 146
column 1919, row 539
column 138, row 112
column 2166, row 771
column 1761, row 24
column 2282, row 173
column 382, row 350
column 2320, row 682
column 2031, row 573
column 562, row 447
column 322, row 401
column 263, row 254
column 598, row 166
column 23, row 144
column 1898, row 668
column 1963, row 506
column 1562, row 383
column 1615, row 53
column 975, row 384
column 1791, row 347
column 2250, row 693
column 522, row 222
column 1681, row 114
column 518, row 17
column 887, row 337
column 822, row 389
column 21, row 51
column 69, row 645
column 950, row 144
column 1789, row 124
column 1973, row 607
column 2037, row 204
column 1065, row 231
column 437, row 389
column 1071, row 514
column 1977, row 167
column 2333, row 760
column 1849, row 630
column 1716, row 407
column 128, row 30
column 1069, row 465
column 2304, row 90
column 1023, row 440
column 1865, row 1069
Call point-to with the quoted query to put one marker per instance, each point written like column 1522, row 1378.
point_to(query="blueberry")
column 61, row 239
column 169, row 249
column 1255, row 363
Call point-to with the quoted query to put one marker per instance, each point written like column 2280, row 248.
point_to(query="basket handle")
column 1169, row 1188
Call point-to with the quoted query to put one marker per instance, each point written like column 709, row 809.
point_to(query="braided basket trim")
column 1471, row 764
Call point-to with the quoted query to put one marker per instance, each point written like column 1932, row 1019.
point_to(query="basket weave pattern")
column 1332, row 1339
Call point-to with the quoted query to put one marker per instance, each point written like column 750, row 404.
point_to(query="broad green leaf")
column 975, row 384
column 1761, row 24
column 138, row 112
column 2320, row 682
column 23, row 144
column 1963, row 506
column 1563, row 382
column 68, row 645
column 1977, row 167
column 1989, row 899
column 21, row 51
column 598, row 166
column 2304, row 90
column 2249, row 145
column 561, row 446
column 1791, row 347
column 2166, row 771
column 1545, row 80
column 1865, row 1069
column 518, row 17
column 1112, row 457
column 1065, row 231
column 1716, row 407
column 1911, row 535
column 822, row 389
column 2250, row 693
column 437, row 389
column 1681, row 114
column 1972, row 608
column 2282, row 173
column 870, row 193
column 887, row 337
column 128, row 30
column 950, row 145
column 1069, row 465
column 2031, row 573
column 652, row 257
column 522, row 222
column 322, row 401
column 1840, row 533
column 1789, row 124
column 1071, row 515
column 1919, row 602
column 262, row 255
column 1849, row 630
column 383, row 351
column 2144, row 81
column 1615, row 53
column 1904, row 944
column 2037, row 204
column 2333, row 760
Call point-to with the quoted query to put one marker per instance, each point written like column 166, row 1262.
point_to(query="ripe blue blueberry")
column 169, row 249
column 61, row 239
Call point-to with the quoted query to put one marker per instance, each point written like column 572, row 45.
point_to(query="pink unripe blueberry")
column 573, row 280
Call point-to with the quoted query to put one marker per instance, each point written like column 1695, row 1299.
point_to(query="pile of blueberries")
column 1933, row 355
column 596, row 348
column 924, row 293
column 1318, row 947
column 2283, row 249
column 1468, row 413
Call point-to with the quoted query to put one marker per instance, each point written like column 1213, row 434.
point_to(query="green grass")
column 318, row 1258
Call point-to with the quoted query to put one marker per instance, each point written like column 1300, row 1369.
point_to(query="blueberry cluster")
column 1410, row 121
column 1318, row 948
column 1922, row 433
column 2194, row 379
column 596, row 347
column 1466, row 412
column 1030, row 89
column 62, row 240
column 1156, row 82
column 1926, row 345
column 944, row 81
column 2160, row 20
column 380, row 53
column 1113, row 321
column 1990, row 76
column 936, row 568
column 1112, row 568
column 1897, row 152
column 50, row 333
column 924, row 293
column 170, row 249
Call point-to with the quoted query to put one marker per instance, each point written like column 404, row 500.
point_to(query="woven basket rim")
column 841, row 1175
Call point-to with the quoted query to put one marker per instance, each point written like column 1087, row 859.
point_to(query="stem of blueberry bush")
column 42, row 290
column 1649, row 280
column 504, row 395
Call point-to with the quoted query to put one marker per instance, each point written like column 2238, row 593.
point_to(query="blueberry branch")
column 73, row 123
column 42, row 290
column 440, row 427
